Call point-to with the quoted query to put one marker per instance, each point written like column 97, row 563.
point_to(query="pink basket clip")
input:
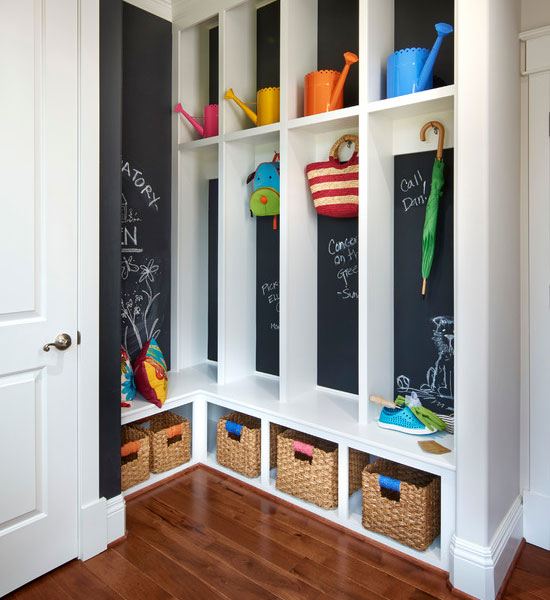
column 303, row 448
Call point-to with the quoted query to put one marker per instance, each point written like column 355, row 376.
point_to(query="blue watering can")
column 411, row 70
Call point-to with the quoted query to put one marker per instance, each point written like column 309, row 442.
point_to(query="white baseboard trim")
column 92, row 534
column 480, row 570
column 536, row 519
column 116, row 518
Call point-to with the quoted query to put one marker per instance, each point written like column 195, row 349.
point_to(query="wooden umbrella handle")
column 440, row 128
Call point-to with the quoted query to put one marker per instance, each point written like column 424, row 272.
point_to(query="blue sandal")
column 402, row 419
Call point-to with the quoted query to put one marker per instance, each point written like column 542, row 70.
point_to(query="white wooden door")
column 38, row 287
column 537, row 499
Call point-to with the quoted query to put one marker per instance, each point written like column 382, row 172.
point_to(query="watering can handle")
column 344, row 140
column 439, row 128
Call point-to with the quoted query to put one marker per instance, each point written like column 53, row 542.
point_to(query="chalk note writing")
column 345, row 257
column 415, row 188
column 138, row 179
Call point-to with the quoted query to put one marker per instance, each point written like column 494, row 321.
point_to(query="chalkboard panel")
column 146, row 180
column 268, row 45
column 110, row 72
column 213, row 62
column 424, row 328
column 213, row 269
column 337, row 303
column 267, row 296
column 337, row 32
column 414, row 27
column 267, row 240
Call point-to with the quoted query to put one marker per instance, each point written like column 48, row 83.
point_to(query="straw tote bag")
column 334, row 185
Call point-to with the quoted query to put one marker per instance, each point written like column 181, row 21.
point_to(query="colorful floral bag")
column 151, row 373
column 334, row 185
column 127, row 382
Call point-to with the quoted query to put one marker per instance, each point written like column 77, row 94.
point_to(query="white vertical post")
column 265, row 452
column 199, row 428
column 343, row 482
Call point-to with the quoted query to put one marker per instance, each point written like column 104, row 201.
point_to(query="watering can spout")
column 179, row 109
column 230, row 95
column 350, row 59
column 443, row 29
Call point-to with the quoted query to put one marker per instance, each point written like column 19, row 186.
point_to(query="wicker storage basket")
column 169, row 441
column 307, row 467
column 357, row 462
column 238, row 444
column 134, row 456
column 402, row 503
column 274, row 431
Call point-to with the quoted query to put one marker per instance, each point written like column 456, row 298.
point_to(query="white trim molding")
column 536, row 50
column 160, row 8
column 536, row 519
column 481, row 570
column 92, row 529
column 116, row 518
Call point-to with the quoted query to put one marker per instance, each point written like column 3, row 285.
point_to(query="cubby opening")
column 319, row 32
column 413, row 336
column 322, row 305
column 198, row 76
column 167, row 455
column 397, row 24
column 252, row 265
column 252, row 44
column 234, row 441
column 390, row 487
column 196, row 248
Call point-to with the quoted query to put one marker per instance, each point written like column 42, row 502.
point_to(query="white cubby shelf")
column 387, row 127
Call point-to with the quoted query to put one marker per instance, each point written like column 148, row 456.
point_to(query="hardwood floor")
column 206, row 536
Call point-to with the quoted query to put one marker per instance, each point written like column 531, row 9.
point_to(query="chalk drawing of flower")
column 128, row 266
column 148, row 271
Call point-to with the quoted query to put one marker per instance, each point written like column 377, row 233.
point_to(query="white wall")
column 534, row 13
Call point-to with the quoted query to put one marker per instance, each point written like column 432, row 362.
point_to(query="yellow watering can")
column 267, row 104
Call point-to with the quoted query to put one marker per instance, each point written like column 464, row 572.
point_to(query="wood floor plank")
column 223, row 512
column 168, row 574
column 175, row 543
column 123, row 577
column 535, row 560
column 75, row 577
column 537, row 585
column 44, row 588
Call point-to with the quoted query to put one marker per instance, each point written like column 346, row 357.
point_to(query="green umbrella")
column 432, row 207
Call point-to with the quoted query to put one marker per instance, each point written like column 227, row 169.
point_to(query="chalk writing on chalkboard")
column 140, row 271
column 270, row 295
column 438, row 388
column 344, row 255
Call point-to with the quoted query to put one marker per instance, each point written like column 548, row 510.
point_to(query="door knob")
column 61, row 342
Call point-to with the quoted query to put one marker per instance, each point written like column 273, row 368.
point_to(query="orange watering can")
column 324, row 90
column 267, row 104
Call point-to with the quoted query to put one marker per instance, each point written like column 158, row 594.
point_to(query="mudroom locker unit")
column 297, row 320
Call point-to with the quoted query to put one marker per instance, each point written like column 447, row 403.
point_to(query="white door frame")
column 92, row 534
column 535, row 59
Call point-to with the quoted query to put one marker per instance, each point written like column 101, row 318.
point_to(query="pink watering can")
column 210, row 119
